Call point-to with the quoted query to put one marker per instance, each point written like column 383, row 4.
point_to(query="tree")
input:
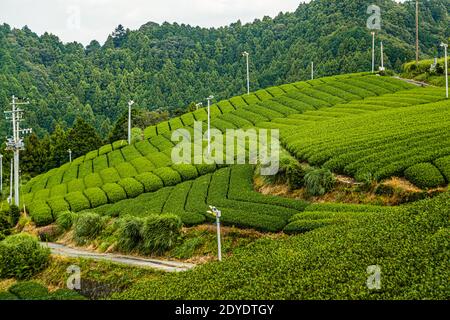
column 83, row 138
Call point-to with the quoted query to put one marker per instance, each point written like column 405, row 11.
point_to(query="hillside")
column 170, row 65
column 333, row 122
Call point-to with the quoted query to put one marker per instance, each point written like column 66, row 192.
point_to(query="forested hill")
column 170, row 65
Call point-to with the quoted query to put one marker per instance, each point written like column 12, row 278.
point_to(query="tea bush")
column 424, row 175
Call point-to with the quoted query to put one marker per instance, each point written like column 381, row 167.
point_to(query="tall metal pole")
column 312, row 70
column 373, row 51
column 382, row 56
column 209, row 123
column 445, row 45
column 417, row 31
column 218, row 214
column 130, row 103
column 246, row 55
column 70, row 155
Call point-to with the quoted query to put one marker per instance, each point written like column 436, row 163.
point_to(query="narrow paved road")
column 164, row 265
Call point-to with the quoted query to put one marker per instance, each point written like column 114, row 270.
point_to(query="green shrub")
column 443, row 164
column 109, row 175
column 424, row 175
column 125, row 170
column 76, row 185
column 21, row 256
column 105, row 149
column 114, row 192
column 119, row 144
column 29, row 290
column 132, row 187
column 41, row 194
column 14, row 214
column 41, row 213
column 160, row 233
column 77, row 201
column 150, row 181
column 66, row 219
column 169, row 176
column 301, row 226
column 93, row 180
column 319, row 181
column 96, row 197
column 5, row 221
column 87, row 226
column 142, row 164
column 58, row 204
column 186, row 171
column 58, row 191
column 7, row 296
column 66, row 294
column 130, row 236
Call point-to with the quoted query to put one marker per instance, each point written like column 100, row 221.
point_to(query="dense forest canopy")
column 171, row 65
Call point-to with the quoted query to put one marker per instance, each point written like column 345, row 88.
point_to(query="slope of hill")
column 329, row 121
column 171, row 65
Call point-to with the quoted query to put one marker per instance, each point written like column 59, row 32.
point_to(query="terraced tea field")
column 334, row 122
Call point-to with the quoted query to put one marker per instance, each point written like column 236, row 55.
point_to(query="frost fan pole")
column 445, row 46
column 130, row 103
column 217, row 213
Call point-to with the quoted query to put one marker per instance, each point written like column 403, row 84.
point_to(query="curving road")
column 163, row 265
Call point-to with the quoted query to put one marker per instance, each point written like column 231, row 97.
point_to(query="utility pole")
column 246, row 55
column 70, row 155
column 130, row 103
column 11, row 183
column 373, row 51
column 209, row 123
column 15, row 143
column 417, row 31
column 445, row 46
column 382, row 57
column 312, row 70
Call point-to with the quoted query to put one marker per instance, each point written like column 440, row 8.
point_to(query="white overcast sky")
column 85, row 20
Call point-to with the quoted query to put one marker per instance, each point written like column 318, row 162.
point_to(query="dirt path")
column 164, row 265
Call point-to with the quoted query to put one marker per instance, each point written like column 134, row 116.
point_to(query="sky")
column 85, row 20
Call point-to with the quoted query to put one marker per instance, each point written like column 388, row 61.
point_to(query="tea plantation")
column 333, row 122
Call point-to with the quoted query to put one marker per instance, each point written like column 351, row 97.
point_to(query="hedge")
column 132, row 187
column 142, row 164
column 114, row 192
column 119, row 144
column 71, row 173
column 126, row 170
column 55, row 179
column 144, row 147
column 91, row 155
column 96, row 197
column 41, row 213
column 424, row 175
column 186, row 171
column 115, row 158
column 169, row 176
column 75, row 186
column 443, row 164
column 85, row 169
column 130, row 153
column 93, row 180
column 159, row 159
column 100, row 163
column 105, row 149
column 109, row 175
column 205, row 168
column 77, row 201
column 187, row 118
column 41, row 194
column 150, row 181
column 58, row 204
column 149, row 132
column 301, row 226
column 29, row 290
